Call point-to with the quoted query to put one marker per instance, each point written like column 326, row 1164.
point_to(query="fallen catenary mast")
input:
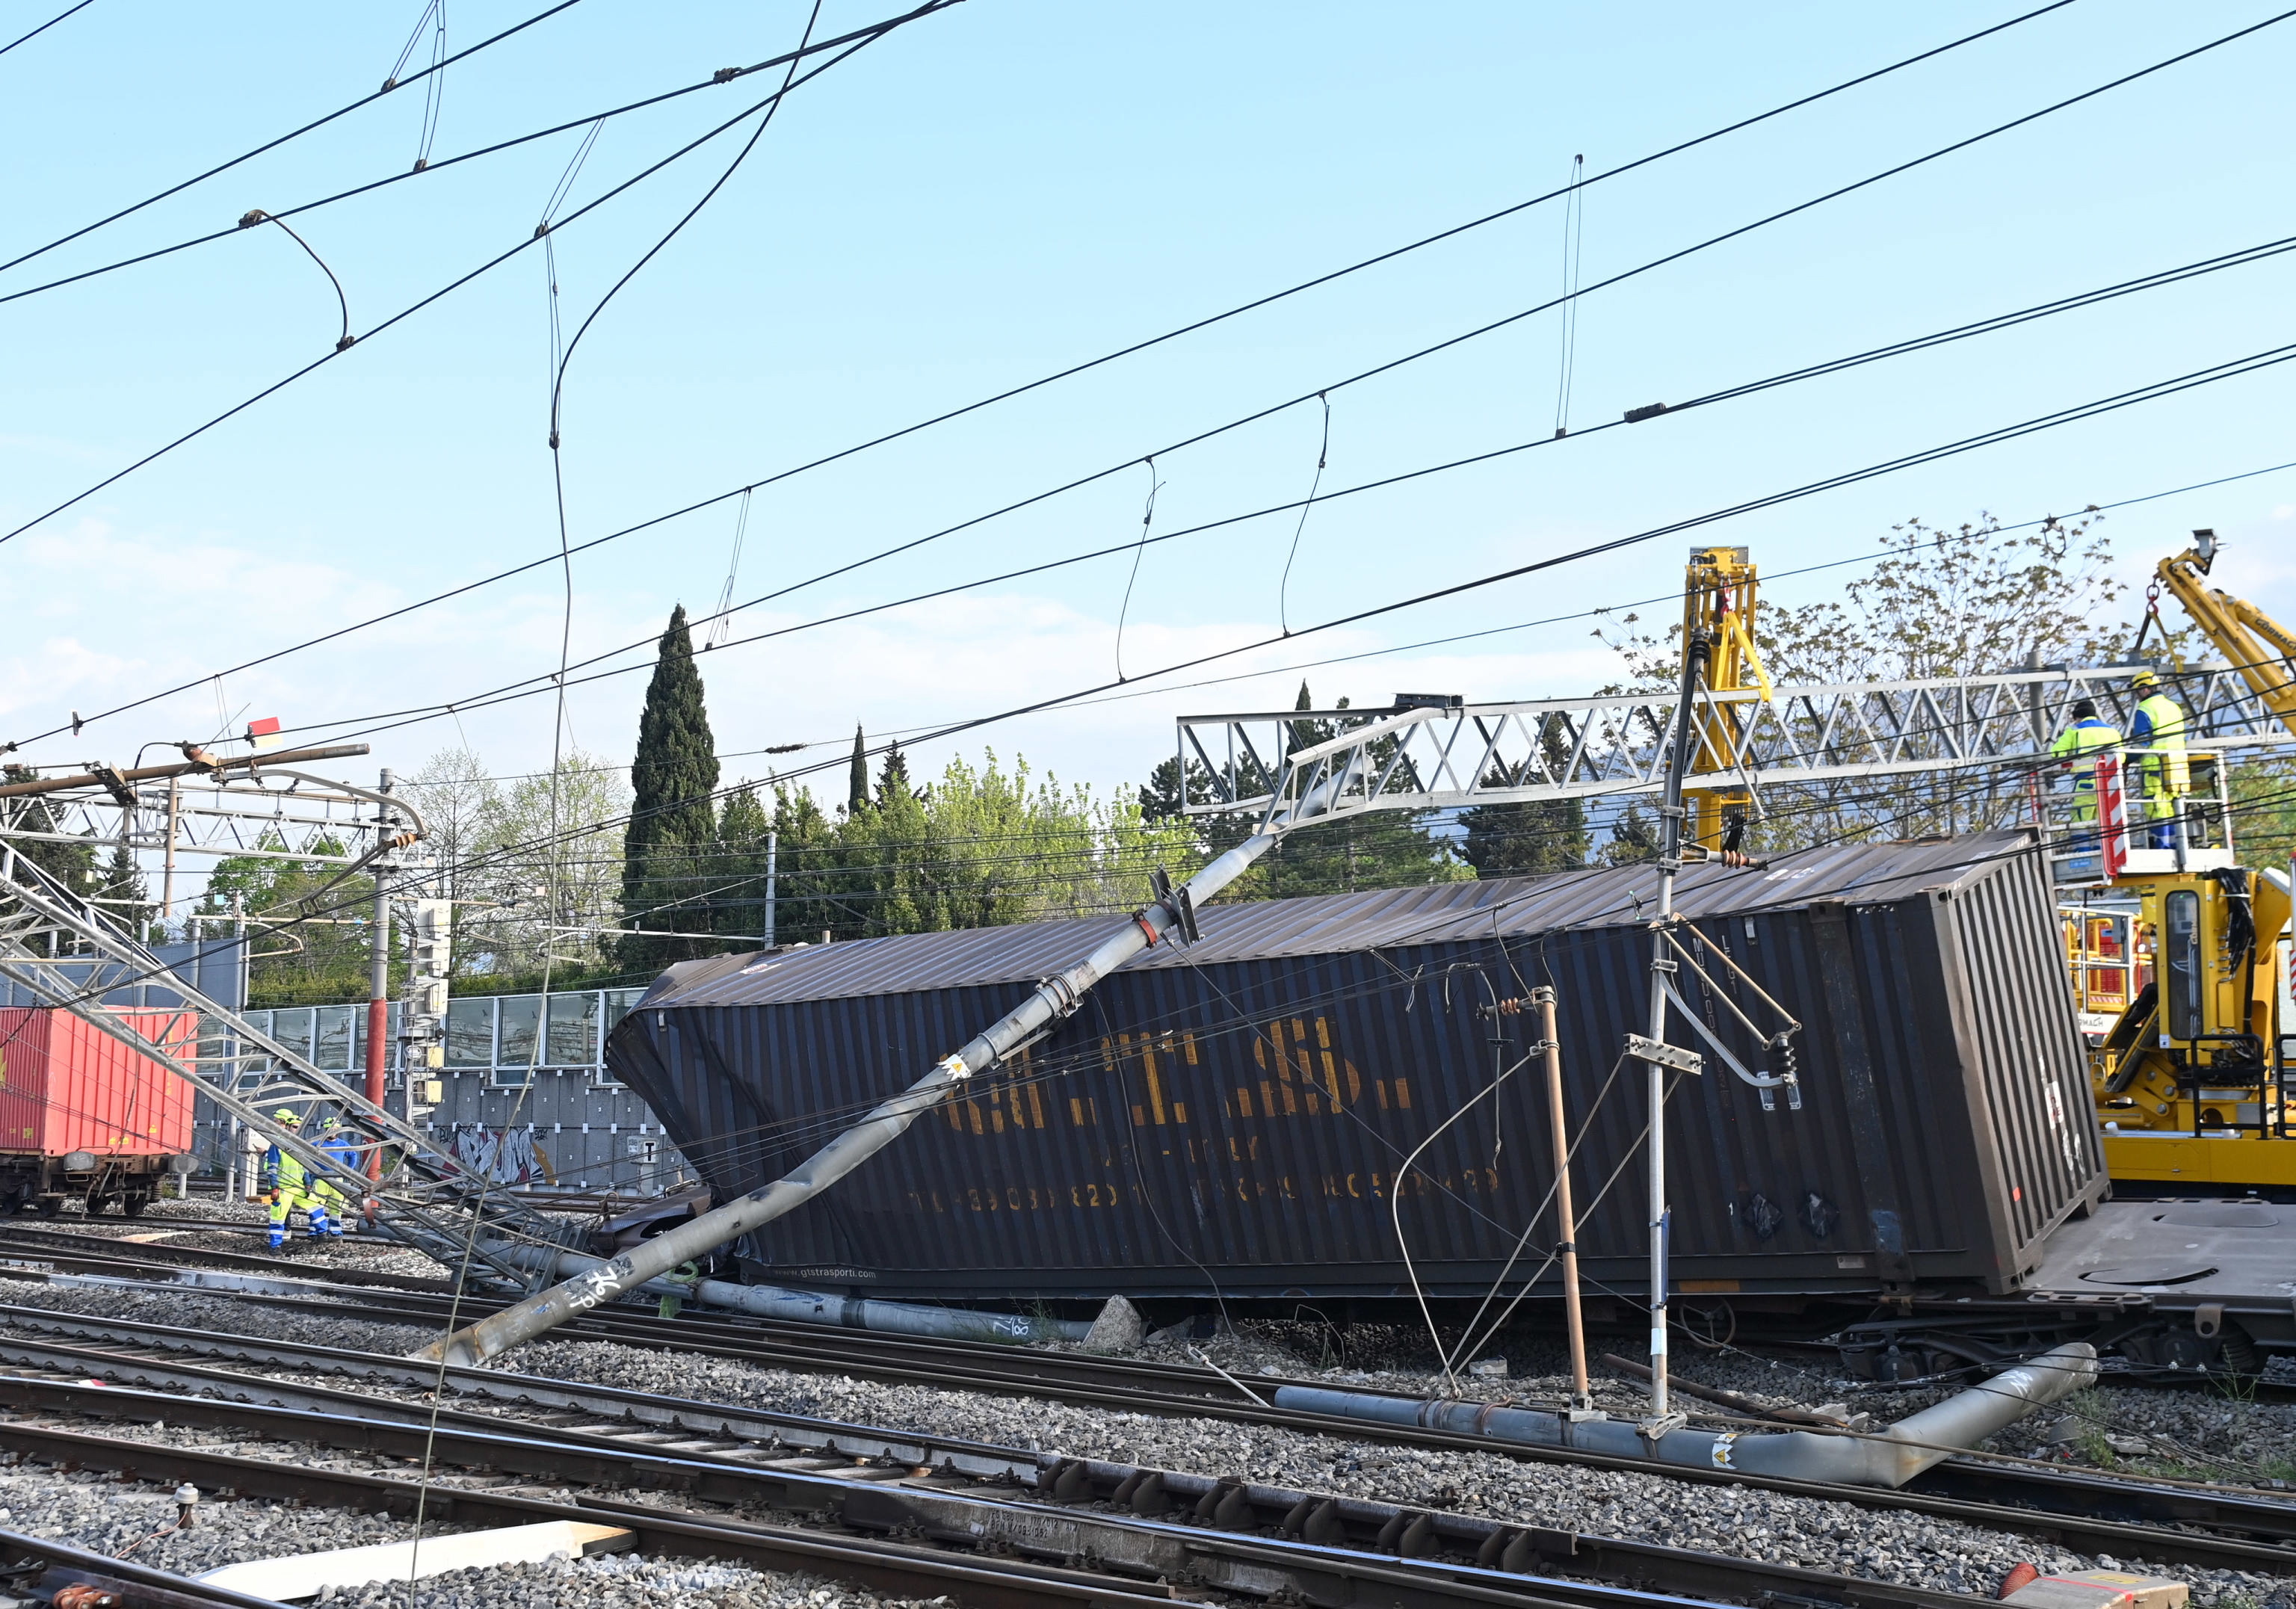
column 1052, row 1001
column 1890, row 1458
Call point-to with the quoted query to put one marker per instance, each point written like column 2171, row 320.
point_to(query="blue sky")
column 1003, row 190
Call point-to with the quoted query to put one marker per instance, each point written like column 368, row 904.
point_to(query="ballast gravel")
column 1906, row 1548
column 111, row 1516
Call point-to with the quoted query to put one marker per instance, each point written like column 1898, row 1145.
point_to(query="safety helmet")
column 2145, row 678
column 328, row 1125
column 291, row 1118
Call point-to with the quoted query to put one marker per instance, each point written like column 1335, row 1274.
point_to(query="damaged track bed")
column 993, row 1365
column 2209, row 1529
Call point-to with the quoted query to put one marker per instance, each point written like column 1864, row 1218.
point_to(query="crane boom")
column 2262, row 649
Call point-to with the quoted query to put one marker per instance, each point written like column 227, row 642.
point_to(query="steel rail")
column 2095, row 1515
column 1046, row 1370
column 61, row 1245
column 1165, row 1526
column 129, row 1582
column 896, row 1569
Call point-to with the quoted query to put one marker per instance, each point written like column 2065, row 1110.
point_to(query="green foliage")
column 1633, row 838
column 2264, row 812
column 673, row 781
column 980, row 847
column 73, row 864
column 307, row 923
column 1527, row 839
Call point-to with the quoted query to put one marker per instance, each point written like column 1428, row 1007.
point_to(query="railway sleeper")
column 2114, row 1516
column 1423, row 1549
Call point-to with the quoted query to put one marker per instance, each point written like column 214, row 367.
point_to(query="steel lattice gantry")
column 70, row 954
column 1437, row 752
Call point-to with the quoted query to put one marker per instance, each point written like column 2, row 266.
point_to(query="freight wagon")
column 85, row 1117
column 1231, row 1119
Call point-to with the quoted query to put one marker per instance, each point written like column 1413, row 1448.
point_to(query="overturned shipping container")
column 1233, row 1117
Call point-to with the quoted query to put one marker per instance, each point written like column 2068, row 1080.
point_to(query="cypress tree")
column 856, row 782
column 673, row 823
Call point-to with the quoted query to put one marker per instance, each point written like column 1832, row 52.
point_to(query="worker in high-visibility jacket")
column 2156, row 736
column 289, row 1186
column 2079, row 746
column 342, row 1144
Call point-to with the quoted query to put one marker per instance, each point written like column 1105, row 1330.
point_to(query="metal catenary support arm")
column 33, row 904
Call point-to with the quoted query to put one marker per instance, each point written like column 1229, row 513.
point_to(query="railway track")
column 101, row 1254
column 48, row 1566
column 2201, row 1527
column 1150, row 1534
column 2048, row 1503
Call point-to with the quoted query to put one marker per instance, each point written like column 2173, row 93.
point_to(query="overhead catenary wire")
column 772, row 104
column 257, row 217
column 1840, row 87
column 1574, row 214
column 456, row 283
column 1294, row 668
column 1323, row 459
column 1147, row 519
column 594, row 828
column 2234, row 368
column 2243, row 257
column 292, row 134
column 50, row 22
column 723, row 621
column 721, row 76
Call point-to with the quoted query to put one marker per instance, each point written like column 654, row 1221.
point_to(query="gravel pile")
column 1907, row 1549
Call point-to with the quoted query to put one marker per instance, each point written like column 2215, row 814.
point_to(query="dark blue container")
column 1232, row 1118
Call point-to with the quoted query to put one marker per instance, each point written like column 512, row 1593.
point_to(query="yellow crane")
column 1718, row 595
column 2188, row 1080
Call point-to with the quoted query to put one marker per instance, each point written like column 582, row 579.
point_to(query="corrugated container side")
column 1236, row 1125
column 2015, row 1002
column 24, row 1034
column 70, row 1086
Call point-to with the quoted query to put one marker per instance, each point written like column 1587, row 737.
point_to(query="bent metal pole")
column 1054, row 999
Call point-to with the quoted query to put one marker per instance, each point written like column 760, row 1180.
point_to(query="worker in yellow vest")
column 289, row 1186
column 2157, row 738
column 2078, row 746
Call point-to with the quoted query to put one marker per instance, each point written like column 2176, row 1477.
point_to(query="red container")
column 67, row 1086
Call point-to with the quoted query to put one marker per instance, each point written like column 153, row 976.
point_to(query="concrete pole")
column 168, row 874
column 378, row 988
column 1052, row 1000
column 773, row 849
column 1566, row 1220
